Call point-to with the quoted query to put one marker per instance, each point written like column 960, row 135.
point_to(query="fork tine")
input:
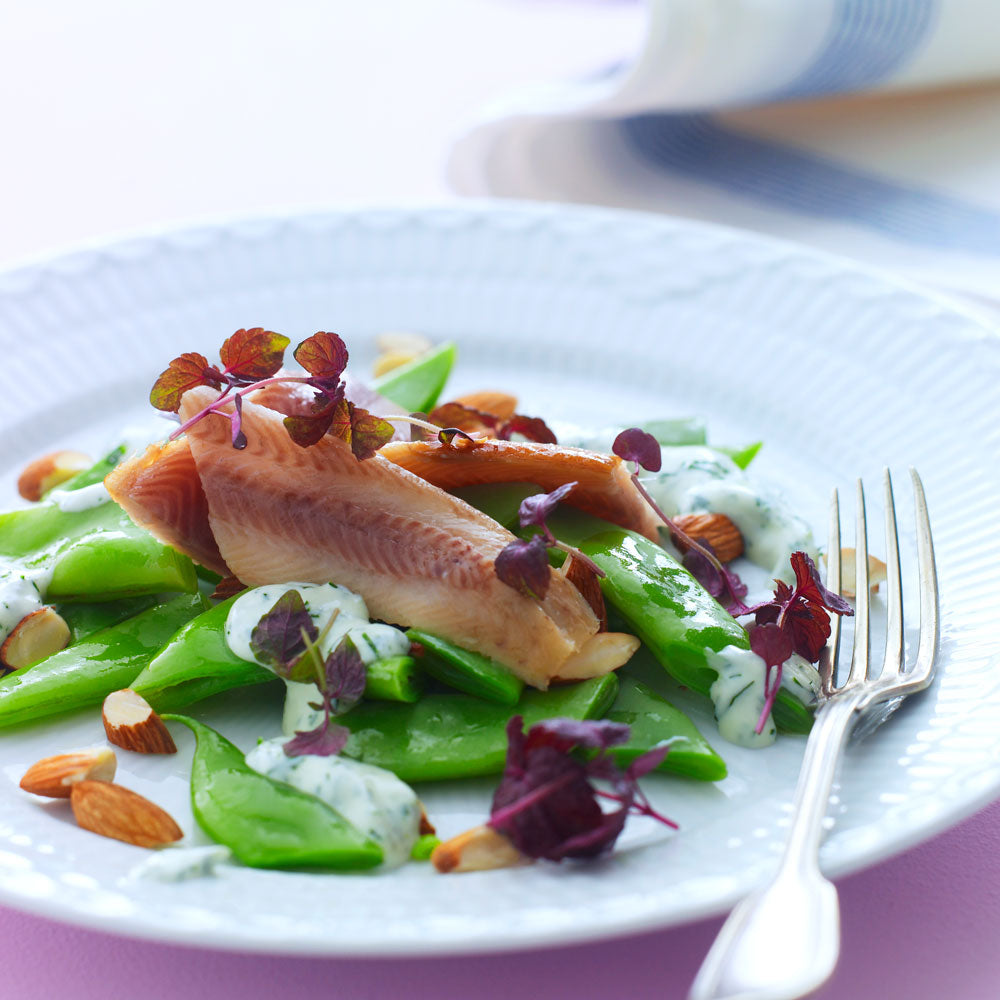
column 831, row 652
column 893, row 661
column 923, row 669
column 862, row 639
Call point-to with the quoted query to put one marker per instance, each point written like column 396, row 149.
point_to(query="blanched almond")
column 34, row 637
column 716, row 529
column 47, row 472
column 398, row 348
column 116, row 812
column 131, row 723
column 599, row 655
column 476, row 850
column 55, row 776
column 848, row 564
column 500, row 404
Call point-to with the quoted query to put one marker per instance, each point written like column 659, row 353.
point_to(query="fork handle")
column 782, row 942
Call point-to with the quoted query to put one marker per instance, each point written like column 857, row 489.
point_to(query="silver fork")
column 782, row 942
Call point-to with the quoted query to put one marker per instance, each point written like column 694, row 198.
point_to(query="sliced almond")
column 500, row 404
column 716, row 529
column 54, row 777
column 598, row 656
column 476, row 850
column 131, row 723
column 47, row 472
column 116, row 812
column 34, row 637
column 848, row 565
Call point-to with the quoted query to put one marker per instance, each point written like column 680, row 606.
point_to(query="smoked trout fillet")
column 604, row 487
column 418, row 556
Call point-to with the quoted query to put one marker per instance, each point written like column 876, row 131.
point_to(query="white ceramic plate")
column 595, row 316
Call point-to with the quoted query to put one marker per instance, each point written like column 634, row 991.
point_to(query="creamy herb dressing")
column 75, row 501
column 696, row 480
column 374, row 641
column 181, row 864
column 370, row 798
column 22, row 591
column 738, row 693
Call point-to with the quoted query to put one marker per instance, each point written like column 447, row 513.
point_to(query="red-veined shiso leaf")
column 368, row 432
column 811, row 588
column 277, row 639
column 307, row 429
column 546, row 803
column 326, row 740
column 323, row 355
column 185, row 372
column 533, row 428
column 253, row 354
column 637, row 445
column 524, row 565
column 537, row 508
column 465, row 418
column 455, row 437
column 228, row 586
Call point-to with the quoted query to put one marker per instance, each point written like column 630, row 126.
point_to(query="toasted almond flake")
column 848, row 564
column 119, row 813
column 403, row 340
column 716, row 529
column 47, row 472
column 131, row 723
column 479, row 849
column 55, row 776
column 34, row 637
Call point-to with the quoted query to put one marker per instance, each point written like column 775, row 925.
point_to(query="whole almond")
column 34, row 637
column 848, row 564
column 47, row 472
column 55, row 777
column 476, row 850
column 116, row 812
column 716, row 529
column 131, row 723
column 500, row 404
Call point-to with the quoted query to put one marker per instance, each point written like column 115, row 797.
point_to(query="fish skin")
column 604, row 486
column 161, row 491
column 416, row 554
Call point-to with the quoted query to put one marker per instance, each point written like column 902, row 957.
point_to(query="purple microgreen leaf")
column 524, row 565
column 462, row 417
column 771, row 643
column 533, row 428
column 306, row 429
column 450, row 435
column 236, row 423
column 346, row 674
column 228, row 586
column 811, row 588
column 648, row 761
column 185, row 372
column 323, row 355
column 368, row 432
column 545, row 802
column 536, row 509
column 636, row 445
column 254, row 354
column 326, row 740
column 277, row 639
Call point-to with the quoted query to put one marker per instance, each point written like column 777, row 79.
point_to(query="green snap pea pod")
column 394, row 678
column 424, row 847
column 465, row 670
column 662, row 603
column 501, row 501
column 458, row 735
column 94, row 554
column 679, row 431
column 743, row 456
column 86, row 619
column 198, row 663
column 266, row 823
column 86, row 672
column 653, row 719
column 416, row 386
column 97, row 472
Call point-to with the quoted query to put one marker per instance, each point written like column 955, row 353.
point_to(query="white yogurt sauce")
column 22, row 591
column 181, row 864
column 374, row 641
column 695, row 480
column 75, row 501
column 738, row 692
column 371, row 799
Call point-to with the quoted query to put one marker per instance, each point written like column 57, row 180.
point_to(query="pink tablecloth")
column 922, row 926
